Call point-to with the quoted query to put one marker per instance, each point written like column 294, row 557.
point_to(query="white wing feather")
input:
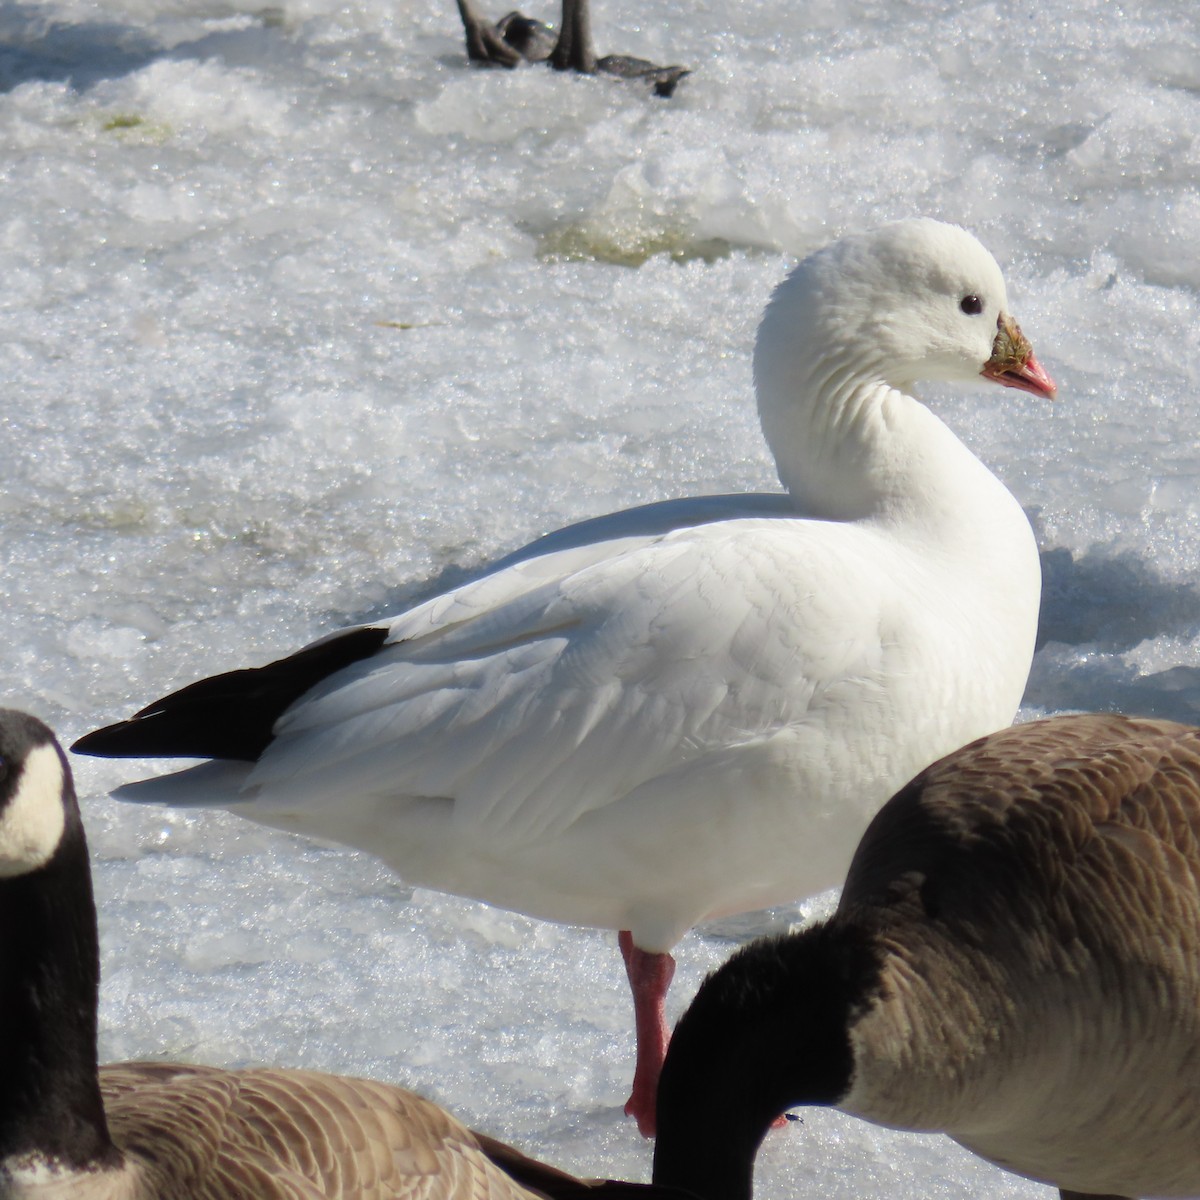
column 561, row 683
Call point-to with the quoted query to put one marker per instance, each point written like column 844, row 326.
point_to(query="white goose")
column 170, row 1131
column 690, row 709
column 1015, row 961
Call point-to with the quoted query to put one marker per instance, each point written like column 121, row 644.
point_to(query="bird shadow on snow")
column 1096, row 607
column 37, row 46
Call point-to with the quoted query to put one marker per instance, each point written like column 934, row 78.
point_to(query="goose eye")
column 971, row 305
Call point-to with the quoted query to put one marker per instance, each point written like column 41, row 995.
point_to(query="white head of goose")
column 688, row 710
column 163, row 1131
column 1015, row 961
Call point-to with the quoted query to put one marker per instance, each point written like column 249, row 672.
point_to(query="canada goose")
column 516, row 38
column 168, row 1131
column 690, row 709
column 1015, row 961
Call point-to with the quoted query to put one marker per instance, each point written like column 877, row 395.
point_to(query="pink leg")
column 649, row 976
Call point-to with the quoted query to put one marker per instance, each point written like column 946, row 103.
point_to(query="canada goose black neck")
column 768, row 1030
column 50, row 1106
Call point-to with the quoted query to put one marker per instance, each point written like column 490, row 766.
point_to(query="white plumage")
column 693, row 709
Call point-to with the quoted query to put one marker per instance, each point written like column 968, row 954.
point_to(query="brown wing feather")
column 1032, row 804
column 1043, row 852
column 209, row 1134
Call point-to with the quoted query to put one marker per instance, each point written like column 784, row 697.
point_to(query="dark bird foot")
column 485, row 41
column 517, row 38
column 664, row 79
column 533, row 40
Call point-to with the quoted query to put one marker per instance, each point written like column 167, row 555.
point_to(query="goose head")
column 856, row 324
column 797, row 997
column 33, row 808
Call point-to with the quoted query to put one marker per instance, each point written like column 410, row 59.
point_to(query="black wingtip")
column 100, row 742
column 229, row 716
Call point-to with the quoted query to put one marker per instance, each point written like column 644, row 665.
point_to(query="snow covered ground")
column 300, row 317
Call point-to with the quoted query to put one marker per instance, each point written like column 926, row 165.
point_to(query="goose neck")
column 871, row 452
column 50, row 1106
column 765, row 1032
column 841, row 437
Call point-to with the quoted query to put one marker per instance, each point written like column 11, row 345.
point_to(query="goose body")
column 691, row 709
column 169, row 1131
column 181, row 1132
column 1015, row 961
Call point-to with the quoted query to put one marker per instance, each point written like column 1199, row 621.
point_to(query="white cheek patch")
column 31, row 824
